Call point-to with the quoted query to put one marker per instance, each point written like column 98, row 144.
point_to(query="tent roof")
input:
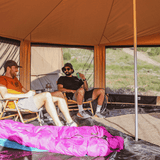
column 80, row 22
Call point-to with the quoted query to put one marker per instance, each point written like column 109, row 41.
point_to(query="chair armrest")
column 11, row 99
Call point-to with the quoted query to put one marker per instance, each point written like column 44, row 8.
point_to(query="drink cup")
column 78, row 75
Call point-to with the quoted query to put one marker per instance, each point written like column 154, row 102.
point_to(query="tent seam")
column 106, row 23
column 43, row 19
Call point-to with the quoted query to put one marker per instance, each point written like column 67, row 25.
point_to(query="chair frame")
column 72, row 104
column 18, row 112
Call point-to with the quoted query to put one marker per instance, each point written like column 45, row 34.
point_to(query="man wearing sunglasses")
column 77, row 89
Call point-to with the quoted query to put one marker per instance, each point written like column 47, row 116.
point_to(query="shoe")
column 72, row 124
column 99, row 115
column 83, row 114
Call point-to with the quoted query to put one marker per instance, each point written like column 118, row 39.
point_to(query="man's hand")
column 31, row 93
column 85, row 85
column 73, row 91
column 82, row 76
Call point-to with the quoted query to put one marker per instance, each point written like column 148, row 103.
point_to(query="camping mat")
column 148, row 126
column 15, row 145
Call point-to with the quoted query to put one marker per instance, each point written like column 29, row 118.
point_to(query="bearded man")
column 76, row 89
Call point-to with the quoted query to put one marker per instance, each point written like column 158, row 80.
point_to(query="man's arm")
column 60, row 88
column 85, row 85
column 24, row 90
column 4, row 93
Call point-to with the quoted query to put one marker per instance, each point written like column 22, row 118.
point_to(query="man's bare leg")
column 79, row 97
column 57, row 94
column 45, row 99
column 98, row 93
column 64, row 109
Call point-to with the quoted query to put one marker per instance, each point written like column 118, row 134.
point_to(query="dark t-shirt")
column 72, row 83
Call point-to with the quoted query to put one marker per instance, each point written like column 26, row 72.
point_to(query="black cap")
column 67, row 65
column 10, row 63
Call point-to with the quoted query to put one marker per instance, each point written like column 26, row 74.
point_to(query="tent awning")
column 80, row 22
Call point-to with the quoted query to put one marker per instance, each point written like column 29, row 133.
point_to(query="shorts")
column 87, row 96
column 27, row 103
column 74, row 97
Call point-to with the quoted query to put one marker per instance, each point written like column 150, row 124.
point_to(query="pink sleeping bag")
column 77, row 141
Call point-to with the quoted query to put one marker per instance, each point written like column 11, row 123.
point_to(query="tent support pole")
column 25, row 62
column 99, row 66
column 135, row 69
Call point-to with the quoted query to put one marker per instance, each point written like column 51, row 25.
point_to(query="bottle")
column 48, row 87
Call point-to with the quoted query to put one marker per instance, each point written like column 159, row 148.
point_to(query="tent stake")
column 135, row 70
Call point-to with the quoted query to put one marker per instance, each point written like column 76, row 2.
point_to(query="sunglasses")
column 66, row 69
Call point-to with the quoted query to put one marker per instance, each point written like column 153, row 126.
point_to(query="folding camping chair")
column 17, row 113
column 72, row 105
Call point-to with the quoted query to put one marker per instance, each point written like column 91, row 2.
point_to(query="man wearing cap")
column 10, row 80
column 10, row 87
column 76, row 89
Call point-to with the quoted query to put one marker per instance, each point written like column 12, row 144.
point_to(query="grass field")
column 119, row 70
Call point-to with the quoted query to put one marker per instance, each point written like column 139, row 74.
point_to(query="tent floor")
column 132, row 150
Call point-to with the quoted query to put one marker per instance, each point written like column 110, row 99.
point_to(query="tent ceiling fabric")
column 80, row 22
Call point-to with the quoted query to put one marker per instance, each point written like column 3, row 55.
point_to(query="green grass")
column 155, row 58
column 80, row 58
column 145, row 82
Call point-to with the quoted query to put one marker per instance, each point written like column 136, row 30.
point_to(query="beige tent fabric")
column 46, row 64
column 148, row 126
column 7, row 52
column 80, row 22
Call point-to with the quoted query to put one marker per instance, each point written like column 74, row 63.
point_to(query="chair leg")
column 19, row 113
column 39, row 119
column 91, row 107
column 40, row 114
column 16, row 118
column 4, row 109
column 2, row 114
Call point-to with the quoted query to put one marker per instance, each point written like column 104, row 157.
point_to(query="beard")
column 12, row 74
column 68, row 74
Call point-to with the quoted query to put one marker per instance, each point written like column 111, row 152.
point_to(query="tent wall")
column 8, row 51
column 25, row 62
column 46, row 64
column 99, row 66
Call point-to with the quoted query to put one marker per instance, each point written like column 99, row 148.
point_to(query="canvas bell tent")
column 84, row 23
column 80, row 23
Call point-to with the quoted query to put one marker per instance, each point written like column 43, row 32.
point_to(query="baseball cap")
column 10, row 63
column 68, row 65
